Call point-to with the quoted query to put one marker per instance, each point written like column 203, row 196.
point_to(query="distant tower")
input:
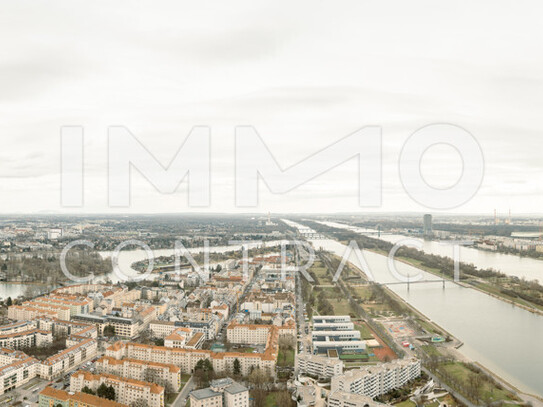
column 269, row 222
column 428, row 225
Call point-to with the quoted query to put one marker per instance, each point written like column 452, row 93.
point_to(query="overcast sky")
column 304, row 74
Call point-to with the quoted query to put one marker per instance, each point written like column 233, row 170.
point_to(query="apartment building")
column 16, row 369
column 338, row 335
column 82, row 289
column 339, row 346
column 221, row 393
column 257, row 334
column 79, row 350
column 30, row 311
column 183, row 337
column 319, row 366
column 161, row 329
column 247, row 333
column 51, row 397
column 23, row 334
column 124, row 327
column 127, row 391
column 336, row 332
column 111, row 293
column 372, row 381
column 333, row 326
column 77, row 305
column 57, row 306
column 24, row 339
column 163, row 374
column 268, row 303
column 17, row 327
column 68, row 328
column 186, row 359
column 340, row 398
column 209, row 328
column 331, row 319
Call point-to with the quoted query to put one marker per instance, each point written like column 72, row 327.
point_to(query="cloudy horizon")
column 304, row 75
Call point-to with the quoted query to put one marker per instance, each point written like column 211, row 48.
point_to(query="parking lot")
column 26, row 394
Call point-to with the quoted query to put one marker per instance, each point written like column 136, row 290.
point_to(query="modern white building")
column 320, row 366
column 327, row 319
column 373, row 381
column 333, row 326
column 340, row 398
column 336, row 332
column 336, row 335
column 221, row 393
column 339, row 346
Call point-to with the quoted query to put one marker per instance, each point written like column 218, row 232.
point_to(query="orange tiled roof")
column 153, row 387
column 87, row 399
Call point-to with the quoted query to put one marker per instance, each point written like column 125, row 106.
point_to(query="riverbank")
column 483, row 285
column 455, row 345
column 485, row 290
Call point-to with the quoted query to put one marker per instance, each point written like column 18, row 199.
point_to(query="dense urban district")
column 260, row 318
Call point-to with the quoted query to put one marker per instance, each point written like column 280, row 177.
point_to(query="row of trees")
column 530, row 291
column 104, row 391
column 46, row 268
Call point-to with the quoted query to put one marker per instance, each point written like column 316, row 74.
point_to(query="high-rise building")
column 428, row 225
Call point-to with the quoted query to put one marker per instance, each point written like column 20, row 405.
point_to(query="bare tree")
column 139, row 403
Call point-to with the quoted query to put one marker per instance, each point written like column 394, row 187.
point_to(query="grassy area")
column 428, row 327
column 431, row 350
column 492, row 289
column 341, row 306
column 285, row 357
column 244, row 349
column 185, row 377
column 406, row 403
column 364, row 292
column 170, row 398
column 462, row 375
column 360, row 356
column 270, row 400
column 365, row 332
column 321, row 272
column 487, row 286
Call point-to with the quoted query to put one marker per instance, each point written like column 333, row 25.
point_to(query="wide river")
column 506, row 339
column 510, row 264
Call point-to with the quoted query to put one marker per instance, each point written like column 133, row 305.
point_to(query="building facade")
column 221, row 393
column 160, row 373
column 372, row 381
column 320, row 366
column 127, row 391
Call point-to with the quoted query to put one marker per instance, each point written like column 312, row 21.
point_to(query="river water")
column 522, row 267
column 126, row 259
column 506, row 339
